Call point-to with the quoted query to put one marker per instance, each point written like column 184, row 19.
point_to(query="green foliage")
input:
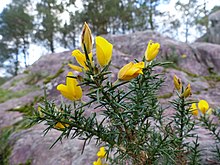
column 213, row 126
column 120, row 16
column 173, row 58
column 183, row 126
column 48, row 11
column 25, row 123
column 5, row 148
column 188, row 9
column 15, row 28
column 49, row 78
column 34, row 77
column 28, row 162
column 3, row 80
column 213, row 77
column 195, row 153
column 165, row 96
column 132, row 124
column 6, row 94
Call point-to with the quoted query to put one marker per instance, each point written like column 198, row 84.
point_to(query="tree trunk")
column 51, row 44
column 151, row 16
column 24, row 50
column 16, row 63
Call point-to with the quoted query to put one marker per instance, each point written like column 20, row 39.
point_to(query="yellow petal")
column 139, row 65
column 70, row 81
column 203, row 106
column 101, row 153
column 177, row 82
column 130, row 71
column 39, row 111
column 152, row 50
column 76, row 68
column 80, row 58
column 194, row 109
column 103, row 51
column 64, row 91
column 98, row 162
column 71, row 90
column 86, row 38
column 187, row 92
column 59, row 125
column 184, row 56
column 123, row 70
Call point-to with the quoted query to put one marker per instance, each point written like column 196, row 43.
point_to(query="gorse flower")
column 101, row 153
column 130, row 71
column 39, row 109
column 98, row 162
column 187, row 92
column 103, row 51
column 86, row 39
column 76, row 68
column 152, row 50
column 59, row 125
column 194, row 110
column 81, row 59
column 203, row 106
column 177, row 82
column 71, row 90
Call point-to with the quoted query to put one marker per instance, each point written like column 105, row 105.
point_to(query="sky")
column 36, row 52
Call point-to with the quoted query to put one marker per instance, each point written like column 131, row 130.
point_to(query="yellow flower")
column 86, row 38
column 130, row 71
column 98, row 162
column 76, row 68
column 187, row 92
column 203, row 106
column 194, row 109
column 81, row 58
column 177, row 82
column 59, row 125
column 101, row 153
column 184, row 56
column 103, row 51
column 152, row 50
column 71, row 90
column 39, row 111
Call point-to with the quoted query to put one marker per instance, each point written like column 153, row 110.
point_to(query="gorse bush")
column 131, row 126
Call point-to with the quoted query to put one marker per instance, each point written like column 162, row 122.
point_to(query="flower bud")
column 130, row 71
column 187, row 92
column 103, row 51
column 86, row 39
column 177, row 82
column 151, row 51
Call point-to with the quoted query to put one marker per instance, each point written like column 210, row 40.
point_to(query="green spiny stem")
column 211, row 127
column 182, row 117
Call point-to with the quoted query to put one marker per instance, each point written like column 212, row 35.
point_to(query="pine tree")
column 15, row 28
column 49, row 22
column 189, row 10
